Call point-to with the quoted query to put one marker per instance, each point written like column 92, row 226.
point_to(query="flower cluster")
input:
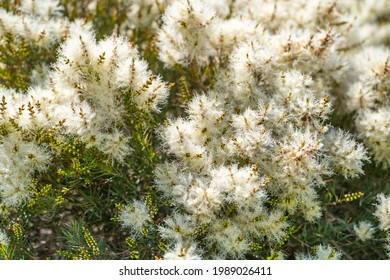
column 319, row 38
column 38, row 22
column 260, row 133
column 92, row 88
column 368, row 96
column 192, row 31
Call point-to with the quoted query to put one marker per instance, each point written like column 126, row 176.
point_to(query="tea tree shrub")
column 193, row 129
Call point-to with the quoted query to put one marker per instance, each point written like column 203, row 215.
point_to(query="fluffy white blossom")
column 86, row 93
column 321, row 253
column 287, row 14
column 198, row 31
column 102, row 71
column 42, row 32
column 251, row 148
column 347, row 155
column 19, row 161
column 382, row 211
column 368, row 96
column 182, row 252
column 178, row 228
column 135, row 216
column 372, row 68
column 364, row 230
column 184, row 37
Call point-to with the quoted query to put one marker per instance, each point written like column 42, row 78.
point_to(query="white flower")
column 41, row 8
column 347, row 155
column 182, row 252
column 184, row 36
column 141, row 13
column 242, row 185
column 374, row 128
column 360, row 96
column 135, row 216
column 229, row 238
column 321, row 253
column 382, row 211
column 327, row 253
column 373, row 71
column 19, row 161
column 251, row 136
column 38, row 31
column 364, row 230
column 114, row 144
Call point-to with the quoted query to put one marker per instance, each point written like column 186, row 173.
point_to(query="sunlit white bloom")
column 229, row 238
column 311, row 209
column 135, row 216
column 364, row 230
column 268, row 108
column 184, row 36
